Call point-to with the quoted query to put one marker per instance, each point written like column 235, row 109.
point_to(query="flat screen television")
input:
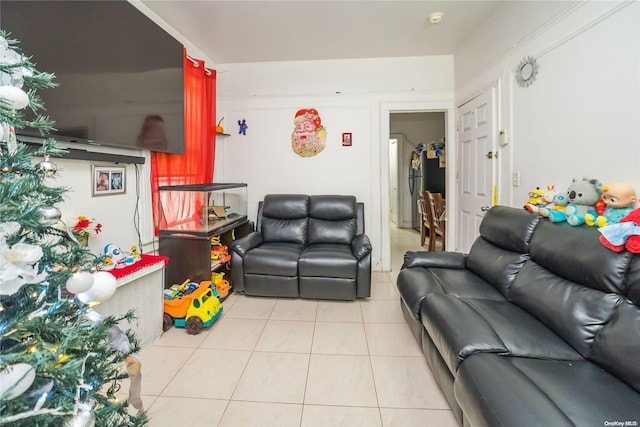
column 119, row 73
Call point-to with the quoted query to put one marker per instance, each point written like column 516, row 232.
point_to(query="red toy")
column 623, row 235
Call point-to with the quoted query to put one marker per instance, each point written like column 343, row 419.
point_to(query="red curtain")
column 195, row 166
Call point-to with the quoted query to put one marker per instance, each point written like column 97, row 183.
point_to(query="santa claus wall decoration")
column 309, row 136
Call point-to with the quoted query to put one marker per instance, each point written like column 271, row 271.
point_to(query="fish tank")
column 201, row 209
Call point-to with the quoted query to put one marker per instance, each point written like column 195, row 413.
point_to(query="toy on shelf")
column 619, row 200
column 221, row 285
column 191, row 306
column 219, row 253
column 623, row 235
column 119, row 259
column 135, row 254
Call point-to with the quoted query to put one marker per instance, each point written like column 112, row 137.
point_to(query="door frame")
column 386, row 109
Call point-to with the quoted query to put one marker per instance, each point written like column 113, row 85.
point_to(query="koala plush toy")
column 582, row 196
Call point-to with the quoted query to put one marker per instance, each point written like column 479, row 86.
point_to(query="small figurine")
column 243, row 127
column 134, row 253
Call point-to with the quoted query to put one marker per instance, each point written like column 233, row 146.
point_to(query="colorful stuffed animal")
column 619, row 199
column 535, row 199
column 623, row 235
column 555, row 210
column 541, row 201
column 582, row 196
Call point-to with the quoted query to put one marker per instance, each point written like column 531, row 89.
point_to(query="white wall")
column 580, row 117
column 348, row 95
column 115, row 212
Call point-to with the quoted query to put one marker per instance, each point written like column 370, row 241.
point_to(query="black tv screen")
column 119, row 72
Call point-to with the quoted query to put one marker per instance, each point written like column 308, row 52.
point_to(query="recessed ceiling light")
column 436, row 17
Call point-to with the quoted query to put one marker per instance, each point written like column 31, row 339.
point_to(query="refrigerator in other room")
column 424, row 174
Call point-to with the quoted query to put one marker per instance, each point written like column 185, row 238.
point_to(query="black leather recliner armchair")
column 305, row 246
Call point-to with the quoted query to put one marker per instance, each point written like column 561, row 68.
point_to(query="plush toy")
column 539, row 199
column 582, row 196
column 623, row 235
column 118, row 258
column 619, row 199
column 555, row 210
column 535, row 198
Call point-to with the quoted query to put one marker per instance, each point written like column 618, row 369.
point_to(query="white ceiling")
column 257, row 31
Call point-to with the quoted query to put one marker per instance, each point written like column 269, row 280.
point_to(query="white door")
column 393, row 180
column 477, row 156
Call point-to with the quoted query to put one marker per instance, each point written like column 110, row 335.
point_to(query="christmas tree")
column 61, row 363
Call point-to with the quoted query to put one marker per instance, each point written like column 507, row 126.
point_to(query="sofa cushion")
column 508, row 228
column 495, row 265
column 502, row 248
column 574, row 312
column 495, row 390
column 327, row 260
column 275, row 259
column 560, row 248
column 415, row 284
column 614, row 351
column 332, row 219
column 284, row 218
column 460, row 327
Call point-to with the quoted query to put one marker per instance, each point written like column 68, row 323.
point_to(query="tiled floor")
column 295, row 362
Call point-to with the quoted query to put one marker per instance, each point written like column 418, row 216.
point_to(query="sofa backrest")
column 502, row 247
column 585, row 293
column 284, row 218
column 332, row 219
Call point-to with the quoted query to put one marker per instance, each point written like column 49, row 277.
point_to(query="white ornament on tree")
column 15, row 380
column 80, row 281
column 14, row 97
column 104, row 286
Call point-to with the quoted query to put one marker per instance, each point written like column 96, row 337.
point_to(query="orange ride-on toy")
column 193, row 311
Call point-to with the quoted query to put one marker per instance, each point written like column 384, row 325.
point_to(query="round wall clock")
column 526, row 71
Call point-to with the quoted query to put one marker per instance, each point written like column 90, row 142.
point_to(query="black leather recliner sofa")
column 305, row 246
column 539, row 325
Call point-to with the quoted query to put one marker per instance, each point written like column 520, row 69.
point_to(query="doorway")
column 417, row 156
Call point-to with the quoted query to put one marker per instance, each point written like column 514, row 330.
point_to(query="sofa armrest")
column 434, row 259
column 244, row 244
column 361, row 246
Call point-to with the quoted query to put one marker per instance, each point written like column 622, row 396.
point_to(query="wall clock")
column 526, row 71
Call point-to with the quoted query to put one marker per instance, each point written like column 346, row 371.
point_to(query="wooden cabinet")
column 190, row 217
column 190, row 254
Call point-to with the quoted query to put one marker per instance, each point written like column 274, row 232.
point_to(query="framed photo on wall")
column 107, row 180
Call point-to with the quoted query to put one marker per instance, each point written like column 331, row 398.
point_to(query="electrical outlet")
column 516, row 179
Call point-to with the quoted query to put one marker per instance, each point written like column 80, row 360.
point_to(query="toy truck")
column 193, row 311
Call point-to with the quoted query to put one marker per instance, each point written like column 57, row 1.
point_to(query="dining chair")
column 423, row 217
column 436, row 213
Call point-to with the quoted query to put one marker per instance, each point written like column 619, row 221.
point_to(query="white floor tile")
column 347, row 416
column 417, row 417
column 286, row 336
column 273, row 377
column 339, row 311
column 382, row 311
column 340, row 380
column 295, row 309
column 261, row 414
column 391, row 339
column 234, row 334
column 406, row 382
column 251, row 308
column 210, row 374
column 339, row 338
column 185, row 412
